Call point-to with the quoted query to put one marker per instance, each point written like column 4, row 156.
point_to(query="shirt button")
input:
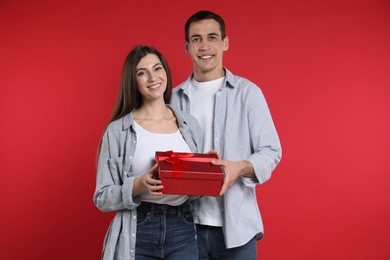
column 131, row 157
column 134, row 217
column 133, row 235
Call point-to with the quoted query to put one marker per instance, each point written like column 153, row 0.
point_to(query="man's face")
column 206, row 48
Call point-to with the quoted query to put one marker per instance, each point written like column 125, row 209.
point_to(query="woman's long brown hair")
column 129, row 97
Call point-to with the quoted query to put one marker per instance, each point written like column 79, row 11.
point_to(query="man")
column 237, row 124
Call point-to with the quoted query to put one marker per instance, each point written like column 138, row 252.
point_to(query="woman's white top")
column 144, row 159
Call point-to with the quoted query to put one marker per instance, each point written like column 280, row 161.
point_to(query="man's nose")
column 204, row 46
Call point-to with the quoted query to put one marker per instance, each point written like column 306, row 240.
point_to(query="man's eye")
column 195, row 39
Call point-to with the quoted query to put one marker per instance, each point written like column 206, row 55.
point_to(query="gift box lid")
column 188, row 165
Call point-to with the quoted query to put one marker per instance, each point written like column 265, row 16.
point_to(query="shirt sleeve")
column 267, row 151
column 113, row 185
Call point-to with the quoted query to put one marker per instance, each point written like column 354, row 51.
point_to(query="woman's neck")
column 156, row 118
column 153, row 111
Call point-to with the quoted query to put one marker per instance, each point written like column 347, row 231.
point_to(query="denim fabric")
column 165, row 232
column 211, row 246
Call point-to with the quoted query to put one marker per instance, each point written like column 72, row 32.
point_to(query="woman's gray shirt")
column 115, row 179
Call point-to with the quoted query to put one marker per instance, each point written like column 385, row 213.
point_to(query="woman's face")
column 151, row 78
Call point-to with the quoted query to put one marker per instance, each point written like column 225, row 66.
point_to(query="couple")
column 235, row 122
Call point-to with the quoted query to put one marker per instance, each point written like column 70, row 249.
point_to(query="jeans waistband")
column 165, row 209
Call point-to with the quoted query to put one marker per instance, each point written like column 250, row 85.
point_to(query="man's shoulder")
column 243, row 85
column 176, row 90
column 239, row 81
column 184, row 84
column 180, row 87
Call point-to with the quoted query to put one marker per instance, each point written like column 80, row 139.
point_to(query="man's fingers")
column 223, row 189
column 218, row 162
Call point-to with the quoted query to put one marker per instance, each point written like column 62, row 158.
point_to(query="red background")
column 323, row 67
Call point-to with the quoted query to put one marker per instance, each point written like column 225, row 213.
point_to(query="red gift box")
column 189, row 173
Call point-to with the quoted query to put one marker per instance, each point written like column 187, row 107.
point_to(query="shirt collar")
column 230, row 81
column 128, row 120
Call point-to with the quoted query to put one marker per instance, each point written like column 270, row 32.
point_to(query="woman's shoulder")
column 120, row 124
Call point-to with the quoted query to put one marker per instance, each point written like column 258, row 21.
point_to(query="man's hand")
column 232, row 171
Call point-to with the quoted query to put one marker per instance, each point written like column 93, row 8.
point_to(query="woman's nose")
column 152, row 76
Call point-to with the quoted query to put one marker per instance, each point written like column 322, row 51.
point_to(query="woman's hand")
column 147, row 182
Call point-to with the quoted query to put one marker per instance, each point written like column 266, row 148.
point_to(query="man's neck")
column 208, row 76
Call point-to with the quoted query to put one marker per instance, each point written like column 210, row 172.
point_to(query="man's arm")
column 233, row 170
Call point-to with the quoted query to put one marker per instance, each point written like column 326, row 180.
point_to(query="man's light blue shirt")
column 243, row 130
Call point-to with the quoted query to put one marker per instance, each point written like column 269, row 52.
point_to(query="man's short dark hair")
column 203, row 15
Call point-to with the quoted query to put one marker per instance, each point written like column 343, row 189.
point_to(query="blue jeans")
column 211, row 245
column 165, row 232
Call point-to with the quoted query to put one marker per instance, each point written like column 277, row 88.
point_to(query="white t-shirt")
column 202, row 95
column 144, row 159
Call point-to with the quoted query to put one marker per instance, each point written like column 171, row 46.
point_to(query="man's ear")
column 226, row 43
column 186, row 46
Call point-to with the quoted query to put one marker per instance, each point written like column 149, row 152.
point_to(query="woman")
column 148, row 224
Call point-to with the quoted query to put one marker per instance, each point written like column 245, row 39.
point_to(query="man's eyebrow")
column 195, row 35
column 198, row 35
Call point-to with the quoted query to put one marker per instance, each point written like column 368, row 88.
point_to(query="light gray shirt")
column 115, row 179
column 243, row 130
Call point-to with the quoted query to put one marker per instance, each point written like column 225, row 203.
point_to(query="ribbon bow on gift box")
column 175, row 158
column 180, row 161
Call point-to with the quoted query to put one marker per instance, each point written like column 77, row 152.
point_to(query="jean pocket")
column 188, row 218
column 142, row 217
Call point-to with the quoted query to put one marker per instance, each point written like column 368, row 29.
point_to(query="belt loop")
column 179, row 211
column 152, row 208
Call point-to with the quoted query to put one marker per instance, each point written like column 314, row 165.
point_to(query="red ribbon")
column 174, row 158
column 179, row 161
